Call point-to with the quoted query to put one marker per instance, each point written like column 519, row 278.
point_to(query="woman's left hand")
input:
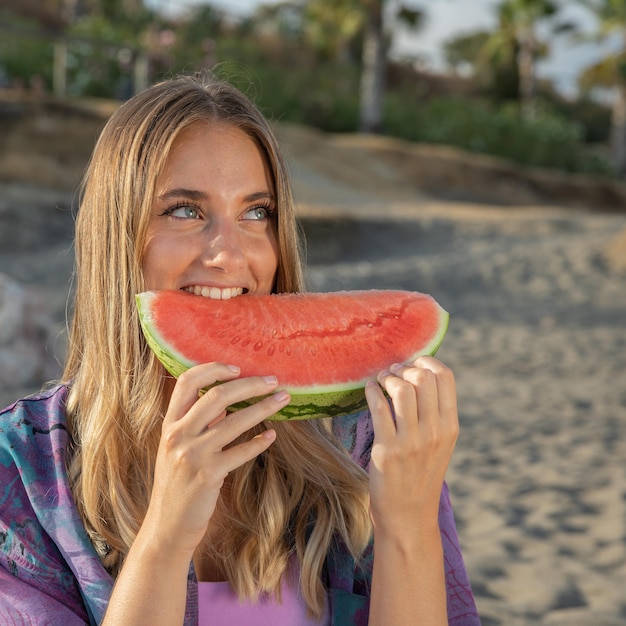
column 410, row 455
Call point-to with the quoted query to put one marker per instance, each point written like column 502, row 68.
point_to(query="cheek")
column 270, row 259
column 155, row 263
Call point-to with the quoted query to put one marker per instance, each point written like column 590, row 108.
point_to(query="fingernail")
column 370, row 384
column 395, row 367
column 269, row 434
column 234, row 368
column 270, row 380
column 384, row 374
column 281, row 396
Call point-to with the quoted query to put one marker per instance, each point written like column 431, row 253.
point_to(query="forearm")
column 151, row 588
column 408, row 584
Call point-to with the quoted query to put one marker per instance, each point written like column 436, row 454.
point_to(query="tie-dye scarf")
column 50, row 573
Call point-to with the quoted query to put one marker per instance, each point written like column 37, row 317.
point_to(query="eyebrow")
column 194, row 194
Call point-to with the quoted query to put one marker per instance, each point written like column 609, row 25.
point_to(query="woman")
column 131, row 499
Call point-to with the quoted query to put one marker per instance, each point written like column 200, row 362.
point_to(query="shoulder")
column 38, row 403
column 42, row 542
column 28, row 419
column 34, row 440
column 33, row 448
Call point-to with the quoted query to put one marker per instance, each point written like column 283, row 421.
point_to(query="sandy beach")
column 537, row 341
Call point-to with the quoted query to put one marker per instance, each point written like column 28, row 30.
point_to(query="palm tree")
column 519, row 19
column 333, row 25
column 504, row 59
column 610, row 72
column 491, row 57
column 379, row 19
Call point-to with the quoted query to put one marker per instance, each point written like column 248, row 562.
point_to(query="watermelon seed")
column 235, row 340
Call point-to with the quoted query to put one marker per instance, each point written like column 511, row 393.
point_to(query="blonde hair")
column 305, row 490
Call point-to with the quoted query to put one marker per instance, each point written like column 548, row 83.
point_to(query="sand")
column 538, row 345
column 537, row 341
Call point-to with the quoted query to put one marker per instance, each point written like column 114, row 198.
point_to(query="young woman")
column 128, row 498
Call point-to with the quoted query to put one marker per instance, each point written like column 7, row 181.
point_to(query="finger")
column 404, row 400
column 210, row 409
column 247, row 451
column 382, row 417
column 424, row 382
column 446, row 387
column 185, row 393
column 235, row 424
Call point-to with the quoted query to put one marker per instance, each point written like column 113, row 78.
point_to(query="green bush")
column 544, row 139
column 290, row 82
column 285, row 81
column 22, row 58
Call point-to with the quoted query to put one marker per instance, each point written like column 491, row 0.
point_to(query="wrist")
column 153, row 551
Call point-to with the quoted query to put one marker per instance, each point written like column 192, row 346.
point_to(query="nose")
column 223, row 248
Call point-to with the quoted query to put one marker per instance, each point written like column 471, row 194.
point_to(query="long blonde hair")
column 304, row 490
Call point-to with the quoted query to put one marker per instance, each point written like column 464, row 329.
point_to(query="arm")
column 408, row 464
column 192, row 463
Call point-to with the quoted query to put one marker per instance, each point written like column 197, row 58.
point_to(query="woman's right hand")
column 193, row 460
column 194, row 456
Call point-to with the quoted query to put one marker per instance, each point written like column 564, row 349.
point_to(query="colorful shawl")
column 50, row 573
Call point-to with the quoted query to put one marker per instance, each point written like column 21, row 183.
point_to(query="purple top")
column 218, row 605
column 50, row 573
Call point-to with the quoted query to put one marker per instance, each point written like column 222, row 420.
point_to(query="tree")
column 48, row 13
column 491, row 58
column 332, row 25
column 519, row 20
column 380, row 18
column 505, row 58
column 610, row 72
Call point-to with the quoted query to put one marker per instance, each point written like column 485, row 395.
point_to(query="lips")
column 215, row 293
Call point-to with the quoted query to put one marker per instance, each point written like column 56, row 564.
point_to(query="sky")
column 448, row 18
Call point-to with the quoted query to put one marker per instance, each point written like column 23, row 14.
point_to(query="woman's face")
column 212, row 229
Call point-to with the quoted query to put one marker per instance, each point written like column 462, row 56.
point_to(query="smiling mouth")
column 215, row 293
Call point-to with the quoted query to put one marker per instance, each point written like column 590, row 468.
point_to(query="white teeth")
column 215, row 293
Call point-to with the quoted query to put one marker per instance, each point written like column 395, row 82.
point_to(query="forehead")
column 213, row 139
column 214, row 151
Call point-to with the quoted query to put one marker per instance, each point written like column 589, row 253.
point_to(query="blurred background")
column 541, row 82
column 471, row 149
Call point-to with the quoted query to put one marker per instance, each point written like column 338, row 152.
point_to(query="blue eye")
column 258, row 213
column 184, row 211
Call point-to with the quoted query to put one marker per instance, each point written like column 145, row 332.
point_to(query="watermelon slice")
column 322, row 347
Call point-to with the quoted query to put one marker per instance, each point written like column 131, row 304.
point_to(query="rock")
column 26, row 334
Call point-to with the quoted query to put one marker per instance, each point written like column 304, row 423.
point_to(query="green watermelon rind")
column 306, row 402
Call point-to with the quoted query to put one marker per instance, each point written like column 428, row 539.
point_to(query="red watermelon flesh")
column 318, row 345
